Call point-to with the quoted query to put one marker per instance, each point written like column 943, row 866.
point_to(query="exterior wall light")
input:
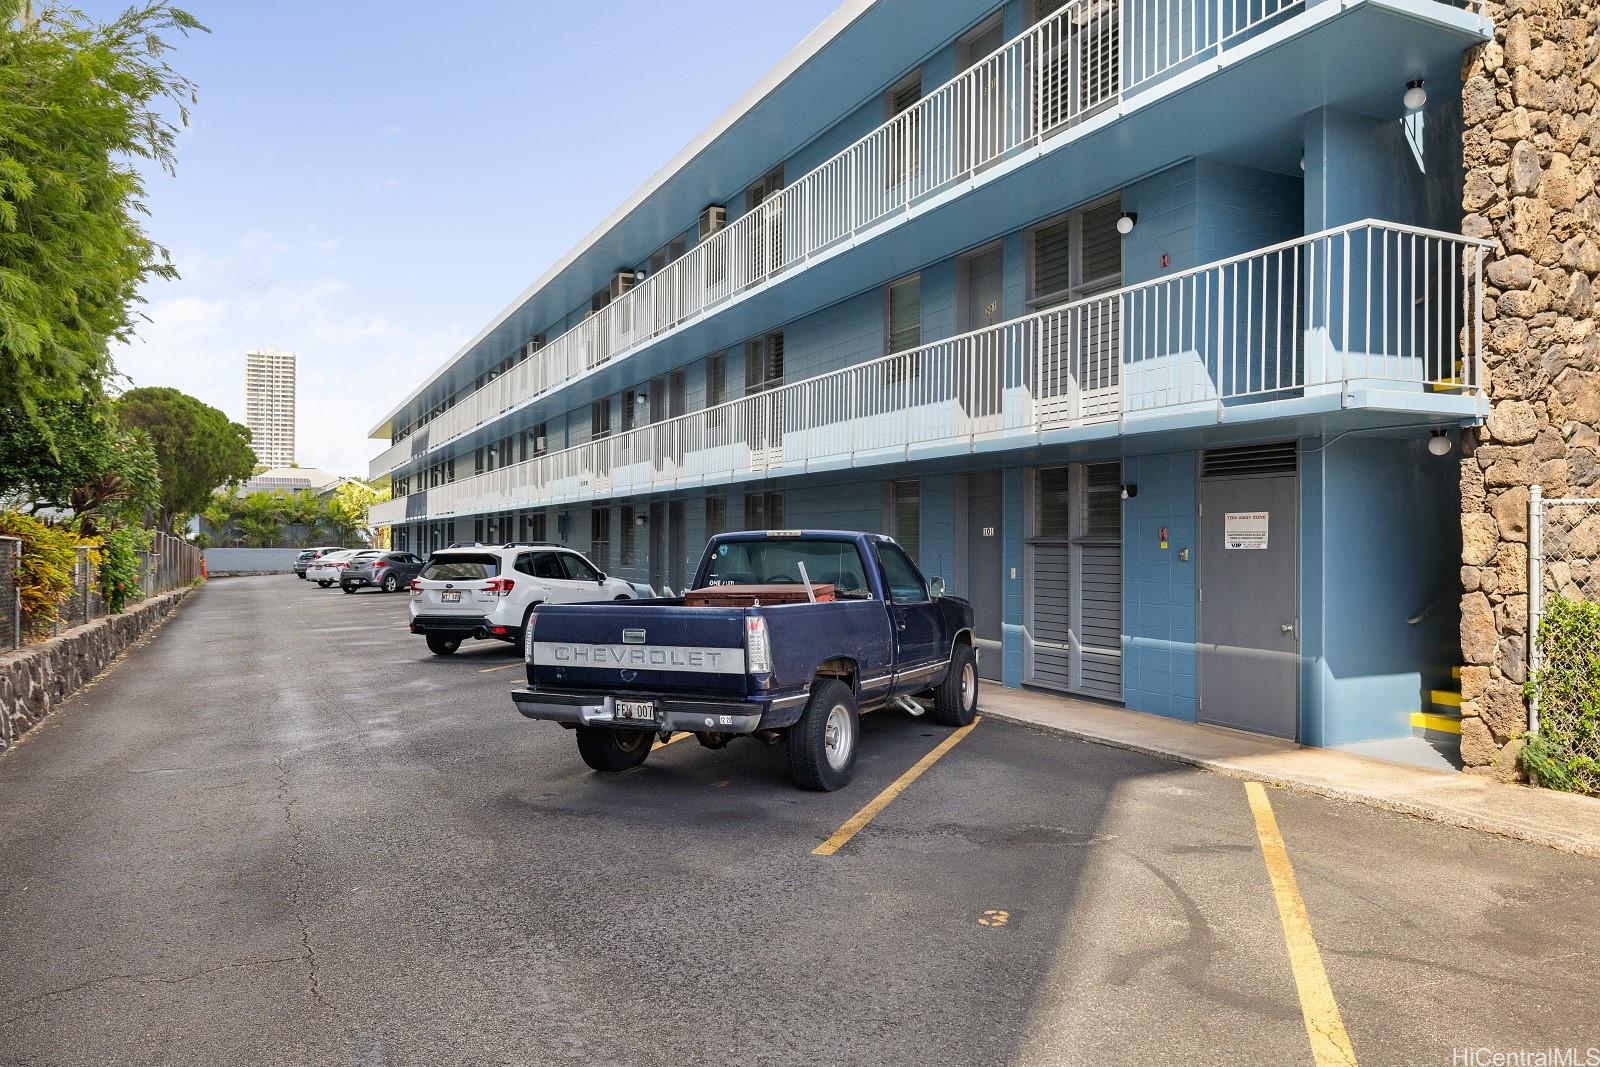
column 1126, row 223
column 1439, row 444
column 1130, row 491
column 638, row 275
column 638, row 520
column 1415, row 96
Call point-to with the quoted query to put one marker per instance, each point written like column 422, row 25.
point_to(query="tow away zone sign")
column 1245, row 529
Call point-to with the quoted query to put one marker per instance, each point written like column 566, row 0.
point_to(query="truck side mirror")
column 937, row 585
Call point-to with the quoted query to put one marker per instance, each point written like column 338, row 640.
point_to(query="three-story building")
column 1146, row 325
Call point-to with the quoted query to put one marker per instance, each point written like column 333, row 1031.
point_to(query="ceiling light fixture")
column 1415, row 96
column 1439, row 444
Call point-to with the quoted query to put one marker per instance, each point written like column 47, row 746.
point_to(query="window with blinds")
column 902, row 147
column 905, row 517
column 763, row 511
column 763, row 363
column 625, row 537
column 600, row 418
column 716, row 515
column 716, row 380
column 905, row 314
column 1100, row 265
column 1077, row 255
column 1052, row 261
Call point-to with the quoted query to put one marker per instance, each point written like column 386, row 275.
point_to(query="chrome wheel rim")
column 969, row 686
column 838, row 737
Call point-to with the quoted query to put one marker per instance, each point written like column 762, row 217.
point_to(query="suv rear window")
column 462, row 568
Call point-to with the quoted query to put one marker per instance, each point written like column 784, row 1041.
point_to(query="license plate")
column 450, row 598
column 636, row 710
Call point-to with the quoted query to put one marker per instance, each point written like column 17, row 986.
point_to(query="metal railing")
column 1084, row 59
column 1377, row 302
column 171, row 563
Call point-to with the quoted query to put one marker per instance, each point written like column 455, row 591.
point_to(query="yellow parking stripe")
column 854, row 824
column 674, row 739
column 502, row 667
column 1330, row 1045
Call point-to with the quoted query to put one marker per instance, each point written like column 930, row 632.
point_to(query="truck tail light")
column 498, row 586
column 757, row 653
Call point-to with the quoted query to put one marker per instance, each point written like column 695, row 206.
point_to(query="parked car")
column 387, row 572
column 490, row 592
column 786, row 635
column 305, row 558
column 326, row 570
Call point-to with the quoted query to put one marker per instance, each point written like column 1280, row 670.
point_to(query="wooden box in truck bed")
column 746, row 596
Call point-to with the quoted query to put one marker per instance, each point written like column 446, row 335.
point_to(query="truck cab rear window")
column 777, row 562
column 461, row 568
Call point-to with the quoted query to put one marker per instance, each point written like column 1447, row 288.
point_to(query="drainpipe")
column 1535, row 591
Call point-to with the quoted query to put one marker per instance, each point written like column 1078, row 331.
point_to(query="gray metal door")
column 984, row 284
column 658, row 545
column 985, row 560
column 1249, row 625
column 677, row 546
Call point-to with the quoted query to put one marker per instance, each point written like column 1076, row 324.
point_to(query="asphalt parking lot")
column 283, row 833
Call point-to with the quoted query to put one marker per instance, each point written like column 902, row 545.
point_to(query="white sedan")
column 325, row 570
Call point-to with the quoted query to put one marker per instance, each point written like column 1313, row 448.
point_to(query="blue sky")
column 367, row 184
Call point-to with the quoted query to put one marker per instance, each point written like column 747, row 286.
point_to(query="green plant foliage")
column 44, row 580
column 1565, row 751
column 80, row 103
column 119, row 566
column 74, row 455
column 197, row 446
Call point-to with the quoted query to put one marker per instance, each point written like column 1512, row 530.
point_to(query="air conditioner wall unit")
column 539, row 444
column 712, row 219
column 621, row 282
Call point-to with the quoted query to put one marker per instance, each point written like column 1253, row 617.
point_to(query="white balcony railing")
column 1394, row 306
column 1084, row 59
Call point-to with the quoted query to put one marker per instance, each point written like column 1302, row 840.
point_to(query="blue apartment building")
column 1147, row 324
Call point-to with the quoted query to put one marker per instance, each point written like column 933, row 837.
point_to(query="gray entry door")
column 677, row 546
column 985, row 560
column 984, row 284
column 1249, row 635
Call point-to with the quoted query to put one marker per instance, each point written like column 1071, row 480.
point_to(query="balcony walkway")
column 1372, row 315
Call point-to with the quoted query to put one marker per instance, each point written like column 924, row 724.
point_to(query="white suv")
column 490, row 591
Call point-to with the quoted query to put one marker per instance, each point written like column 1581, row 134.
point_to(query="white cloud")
column 272, row 290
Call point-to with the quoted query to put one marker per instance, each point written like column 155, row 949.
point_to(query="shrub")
column 119, row 566
column 44, row 580
column 1564, row 753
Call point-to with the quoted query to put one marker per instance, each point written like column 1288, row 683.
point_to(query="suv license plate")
column 449, row 598
column 636, row 710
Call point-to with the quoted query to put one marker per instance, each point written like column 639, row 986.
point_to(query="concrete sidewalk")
column 1559, row 820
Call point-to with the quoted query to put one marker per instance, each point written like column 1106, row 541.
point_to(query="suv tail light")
column 757, row 653
column 416, row 586
column 498, row 586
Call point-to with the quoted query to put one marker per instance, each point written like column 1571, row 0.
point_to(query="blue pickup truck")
column 849, row 624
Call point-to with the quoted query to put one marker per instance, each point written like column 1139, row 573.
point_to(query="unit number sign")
column 1244, row 529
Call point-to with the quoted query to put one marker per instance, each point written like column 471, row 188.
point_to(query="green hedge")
column 1565, row 751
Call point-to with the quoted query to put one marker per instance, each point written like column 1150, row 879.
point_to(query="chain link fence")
column 171, row 563
column 1564, row 628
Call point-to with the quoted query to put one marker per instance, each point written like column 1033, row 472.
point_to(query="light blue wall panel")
column 1358, row 168
column 1012, row 617
column 1158, row 588
column 843, row 335
column 939, row 526
column 1388, row 547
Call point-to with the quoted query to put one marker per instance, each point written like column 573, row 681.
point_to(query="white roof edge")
column 830, row 27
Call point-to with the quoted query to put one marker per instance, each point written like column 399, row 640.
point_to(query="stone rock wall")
column 1532, row 151
column 36, row 679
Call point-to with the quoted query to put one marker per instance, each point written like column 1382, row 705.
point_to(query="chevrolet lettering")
column 786, row 636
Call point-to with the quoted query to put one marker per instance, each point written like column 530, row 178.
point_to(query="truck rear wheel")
column 606, row 749
column 822, row 745
column 955, row 701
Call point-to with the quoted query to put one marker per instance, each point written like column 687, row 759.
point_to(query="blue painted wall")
column 1358, row 167
column 1380, row 541
column 1013, row 612
column 1158, row 589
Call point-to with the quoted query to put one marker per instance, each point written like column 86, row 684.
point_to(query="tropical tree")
column 197, row 446
column 219, row 513
column 347, row 511
column 74, row 455
column 80, row 103
column 303, row 509
column 261, row 517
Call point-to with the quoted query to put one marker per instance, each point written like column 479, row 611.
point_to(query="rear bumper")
column 688, row 716
column 462, row 626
